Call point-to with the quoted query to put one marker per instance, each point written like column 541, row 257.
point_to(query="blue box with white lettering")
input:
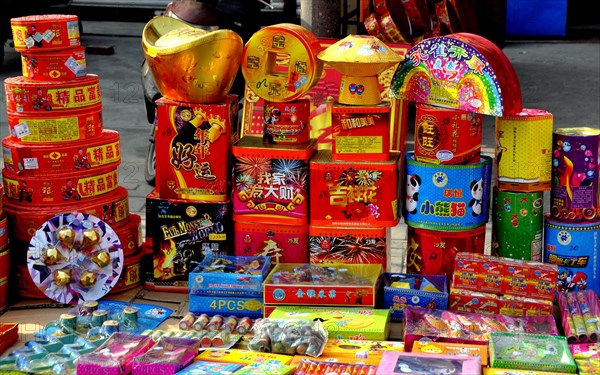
column 226, row 305
column 224, row 275
column 405, row 289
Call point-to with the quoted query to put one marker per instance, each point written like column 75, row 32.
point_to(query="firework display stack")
column 4, row 256
column 58, row 157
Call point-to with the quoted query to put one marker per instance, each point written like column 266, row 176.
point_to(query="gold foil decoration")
column 66, row 236
column 102, row 258
column 91, row 237
column 62, row 277
column 52, row 256
column 88, row 279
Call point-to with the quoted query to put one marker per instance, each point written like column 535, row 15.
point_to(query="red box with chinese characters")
column 283, row 243
column 287, row 122
column 330, row 245
column 193, row 144
column 354, row 194
column 489, row 303
column 270, row 182
column 360, row 132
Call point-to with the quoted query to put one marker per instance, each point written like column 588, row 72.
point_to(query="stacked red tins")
column 58, row 157
column 4, row 256
column 270, row 175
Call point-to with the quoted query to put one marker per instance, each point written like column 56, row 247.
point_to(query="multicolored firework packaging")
column 270, row 182
column 48, row 32
column 287, row 123
column 330, row 245
column 354, row 193
column 193, row 143
column 575, row 196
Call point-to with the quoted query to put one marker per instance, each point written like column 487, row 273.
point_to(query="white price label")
column 38, row 37
column 30, row 163
column 48, row 36
column 21, row 130
column 74, row 66
column 29, row 42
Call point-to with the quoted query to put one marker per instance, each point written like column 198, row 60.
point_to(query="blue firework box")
column 240, row 276
column 226, row 306
column 447, row 197
column 429, row 291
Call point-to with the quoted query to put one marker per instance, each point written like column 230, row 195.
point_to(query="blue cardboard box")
column 536, row 17
column 222, row 275
column 226, row 305
column 396, row 299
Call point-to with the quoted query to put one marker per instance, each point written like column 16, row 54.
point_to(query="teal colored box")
column 220, row 275
column 226, row 306
column 396, row 299
column 536, row 17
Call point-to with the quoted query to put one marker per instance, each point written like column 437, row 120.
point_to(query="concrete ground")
column 560, row 76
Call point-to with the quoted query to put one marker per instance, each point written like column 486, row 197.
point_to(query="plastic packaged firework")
column 308, row 367
column 580, row 315
column 289, row 336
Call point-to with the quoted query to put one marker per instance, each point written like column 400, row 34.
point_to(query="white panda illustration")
column 412, row 193
column 476, row 202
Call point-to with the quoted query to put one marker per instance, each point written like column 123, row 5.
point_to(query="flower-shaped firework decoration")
column 75, row 257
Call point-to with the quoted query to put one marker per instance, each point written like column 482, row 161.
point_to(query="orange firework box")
column 71, row 187
column 354, row 194
column 54, row 127
column 55, row 65
column 23, row 95
column 112, row 208
column 360, row 132
column 48, row 32
column 489, row 303
column 193, row 143
column 270, row 182
column 283, row 243
column 49, row 158
column 287, row 123
column 330, row 245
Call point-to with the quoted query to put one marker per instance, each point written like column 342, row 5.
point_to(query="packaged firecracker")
column 167, row 356
column 450, row 348
column 428, row 363
column 48, row 32
column 287, row 122
column 587, row 358
column 580, row 316
column 59, row 65
column 289, row 336
column 116, row 355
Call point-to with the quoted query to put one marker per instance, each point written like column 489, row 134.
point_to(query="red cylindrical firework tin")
column 55, row 65
column 354, row 193
column 329, row 245
column 3, row 231
column 132, row 274
column 524, row 151
column 446, row 136
column 193, row 143
column 47, row 159
column 60, row 189
column 287, row 123
column 49, row 32
column 283, row 243
column 432, row 252
column 360, row 132
column 4, row 263
column 23, row 95
column 54, row 127
column 270, row 182
column 575, row 249
column 575, row 196
column 128, row 232
column 393, row 20
column 112, row 208
column 372, row 25
column 24, row 287
column 517, row 224
column 3, row 294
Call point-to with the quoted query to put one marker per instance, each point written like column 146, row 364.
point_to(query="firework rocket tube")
column 573, row 309
column 590, row 322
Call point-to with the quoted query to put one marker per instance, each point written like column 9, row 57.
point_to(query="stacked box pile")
column 59, row 157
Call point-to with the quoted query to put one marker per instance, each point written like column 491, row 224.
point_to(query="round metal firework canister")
column 575, row 196
column 23, row 95
column 56, row 127
column 575, row 249
column 129, row 234
column 55, row 65
column 46, row 159
column 446, row 136
column 524, row 150
column 517, row 224
column 3, row 232
column 447, row 197
column 432, row 252
column 49, row 32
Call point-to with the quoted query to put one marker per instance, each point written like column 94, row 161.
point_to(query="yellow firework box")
column 524, row 150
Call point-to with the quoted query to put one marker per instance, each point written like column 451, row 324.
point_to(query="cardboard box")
column 343, row 323
column 193, row 144
column 227, row 305
column 243, row 357
column 449, row 348
column 305, row 284
column 419, row 363
column 536, row 17
column 395, row 299
column 239, row 276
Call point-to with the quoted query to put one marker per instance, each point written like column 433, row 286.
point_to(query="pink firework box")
column 115, row 356
column 270, row 182
column 283, row 243
column 167, row 356
column 426, row 363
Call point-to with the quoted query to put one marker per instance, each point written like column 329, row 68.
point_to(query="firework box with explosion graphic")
column 193, row 143
column 182, row 233
column 331, row 285
column 364, row 128
column 489, row 303
column 330, row 245
column 270, row 182
column 229, row 275
column 283, row 243
column 401, row 290
column 342, row 323
column 226, row 305
column 354, row 194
